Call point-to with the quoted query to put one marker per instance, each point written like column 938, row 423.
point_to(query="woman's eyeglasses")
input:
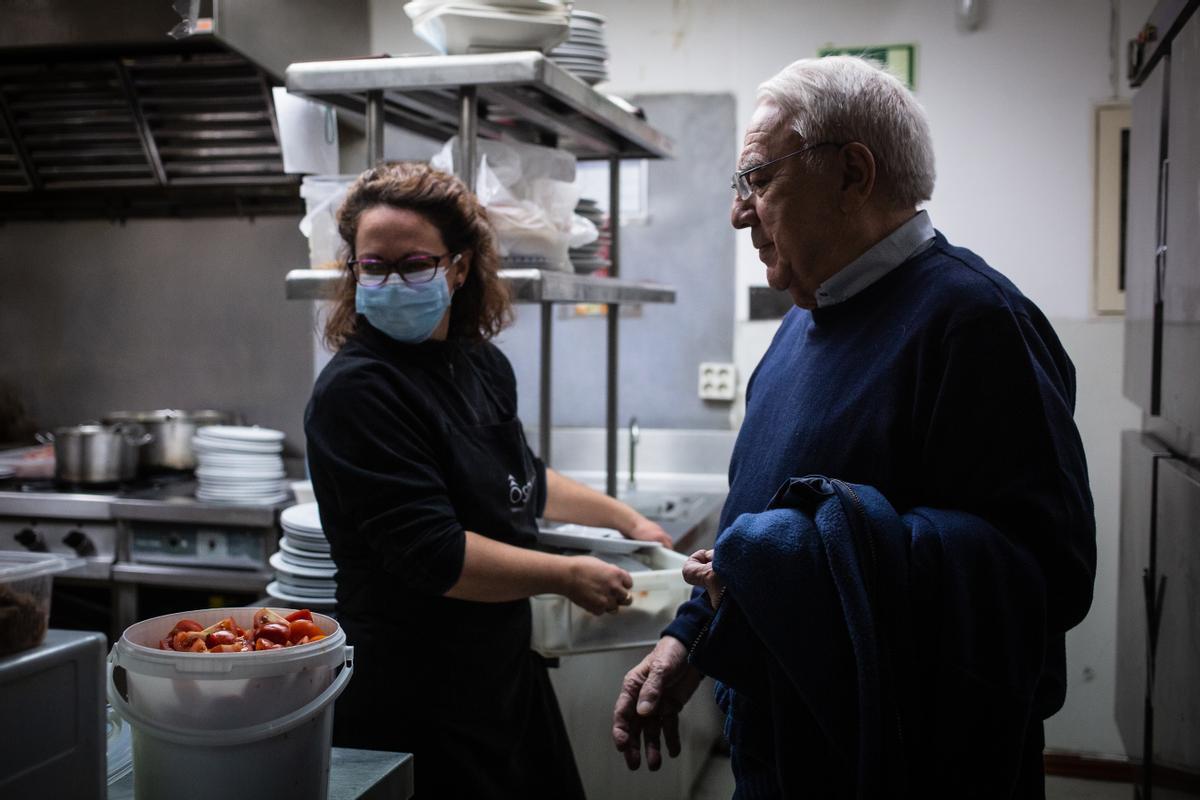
column 372, row 272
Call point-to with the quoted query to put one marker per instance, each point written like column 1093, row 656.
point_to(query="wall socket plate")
column 718, row 381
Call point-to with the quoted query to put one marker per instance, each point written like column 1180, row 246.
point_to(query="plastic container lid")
column 120, row 747
column 18, row 566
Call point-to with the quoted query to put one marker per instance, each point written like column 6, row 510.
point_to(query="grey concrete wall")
column 687, row 243
column 96, row 316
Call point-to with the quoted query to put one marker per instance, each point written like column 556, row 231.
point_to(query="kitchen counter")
column 353, row 775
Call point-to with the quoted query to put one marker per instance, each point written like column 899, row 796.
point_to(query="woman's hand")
column 698, row 571
column 646, row 531
column 596, row 586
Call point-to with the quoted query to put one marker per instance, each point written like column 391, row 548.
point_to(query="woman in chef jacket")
column 429, row 495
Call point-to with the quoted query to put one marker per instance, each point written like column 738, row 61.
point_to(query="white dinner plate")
column 290, row 548
column 244, row 501
column 226, row 475
column 230, row 446
column 306, row 561
column 307, row 601
column 302, row 517
column 305, row 536
column 240, row 433
column 276, row 560
column 312, row 550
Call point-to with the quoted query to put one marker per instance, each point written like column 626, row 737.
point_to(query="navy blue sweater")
column 942, row 386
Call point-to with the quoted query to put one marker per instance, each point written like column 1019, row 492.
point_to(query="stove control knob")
column 78, row 541
column 31, row 540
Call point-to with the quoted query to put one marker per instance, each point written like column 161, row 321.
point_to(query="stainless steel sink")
column 689, row 517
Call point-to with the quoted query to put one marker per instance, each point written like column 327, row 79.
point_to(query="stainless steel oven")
column 149, row 548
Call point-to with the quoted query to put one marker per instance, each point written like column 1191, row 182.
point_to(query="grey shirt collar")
column 902, row 244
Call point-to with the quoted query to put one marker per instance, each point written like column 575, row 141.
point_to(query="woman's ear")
column 463, row 268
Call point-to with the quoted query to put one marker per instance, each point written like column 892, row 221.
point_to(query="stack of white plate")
column 483, row 26
column 585, row 53
column 594, row 255
column 303, row 569
column 239, row 464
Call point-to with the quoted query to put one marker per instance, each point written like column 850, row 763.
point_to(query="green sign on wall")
column 898, row 58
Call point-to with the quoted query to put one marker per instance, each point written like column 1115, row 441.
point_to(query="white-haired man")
column 909, row 530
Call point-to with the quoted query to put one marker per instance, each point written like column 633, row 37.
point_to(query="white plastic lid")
column 18, row 566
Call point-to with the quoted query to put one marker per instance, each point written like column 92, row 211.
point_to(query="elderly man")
column 909, row 530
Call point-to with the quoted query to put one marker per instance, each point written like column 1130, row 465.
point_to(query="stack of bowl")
column 585, row 53
column 594, row 255
column 304, row 571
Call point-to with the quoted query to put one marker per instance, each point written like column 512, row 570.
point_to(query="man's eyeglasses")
column 372, row 272
column 742, row 186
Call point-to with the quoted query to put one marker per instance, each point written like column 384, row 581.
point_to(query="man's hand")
column 698, row 571
column 652, row 695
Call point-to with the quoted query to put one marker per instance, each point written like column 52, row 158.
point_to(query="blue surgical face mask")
column 405, row 312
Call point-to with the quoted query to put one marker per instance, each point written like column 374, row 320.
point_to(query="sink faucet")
column 635, row 434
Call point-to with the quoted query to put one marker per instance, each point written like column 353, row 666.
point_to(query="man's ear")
column 858, row 176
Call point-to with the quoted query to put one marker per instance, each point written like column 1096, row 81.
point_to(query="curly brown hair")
column 481, row 307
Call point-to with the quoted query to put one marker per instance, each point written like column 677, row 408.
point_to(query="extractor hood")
column 151, row 108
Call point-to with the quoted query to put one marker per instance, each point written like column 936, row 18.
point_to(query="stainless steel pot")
column 172, row 430
column 94, row 454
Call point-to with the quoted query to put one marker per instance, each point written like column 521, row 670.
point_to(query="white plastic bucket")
column 261, row 722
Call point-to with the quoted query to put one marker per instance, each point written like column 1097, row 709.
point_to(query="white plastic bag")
column 530, row 195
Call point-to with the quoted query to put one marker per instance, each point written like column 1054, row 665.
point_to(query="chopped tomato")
column 275, row 632
column 221, row 637
column 303, row 628
column 269, row 631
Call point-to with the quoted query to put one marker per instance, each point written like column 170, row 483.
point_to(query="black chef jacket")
column 409, row 446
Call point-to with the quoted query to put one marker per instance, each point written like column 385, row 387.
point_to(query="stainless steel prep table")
column 353, row 775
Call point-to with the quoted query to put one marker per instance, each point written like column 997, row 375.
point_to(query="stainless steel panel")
column 58, row 506
column 1181, row 278
column 276, row 32
column 1142, row 239
column 1177, row 689
column 227, row 580
column 584, row 121
column 191, row 510
column 1137, row 465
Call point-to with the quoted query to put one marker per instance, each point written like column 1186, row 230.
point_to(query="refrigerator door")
column 1141, row 241
column 1181, row 277
column 1177, row 664
column 1138, row 453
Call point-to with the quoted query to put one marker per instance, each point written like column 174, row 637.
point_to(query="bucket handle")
column 237, row 736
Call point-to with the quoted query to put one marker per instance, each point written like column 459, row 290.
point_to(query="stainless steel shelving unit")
column 526, row 285
column 521, row 96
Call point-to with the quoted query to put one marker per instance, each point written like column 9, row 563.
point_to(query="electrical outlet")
column 717, row 381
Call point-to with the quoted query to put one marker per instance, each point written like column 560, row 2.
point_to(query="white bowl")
column 456, row 32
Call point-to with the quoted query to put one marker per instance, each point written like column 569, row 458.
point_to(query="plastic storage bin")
column 25, row 583
column 561, row 628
